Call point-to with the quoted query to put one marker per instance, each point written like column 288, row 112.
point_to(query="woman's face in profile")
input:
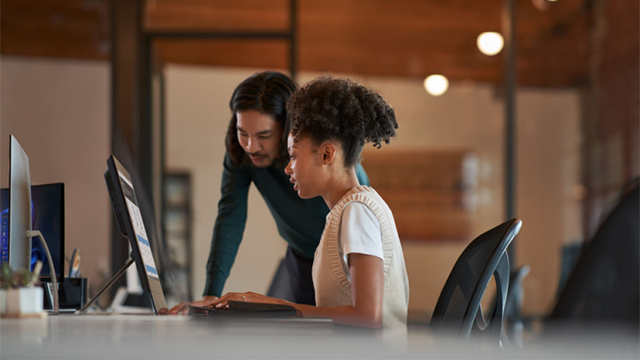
column 304, row 168
column 259, row 135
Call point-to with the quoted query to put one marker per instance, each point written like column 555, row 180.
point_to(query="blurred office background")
column 160, row 73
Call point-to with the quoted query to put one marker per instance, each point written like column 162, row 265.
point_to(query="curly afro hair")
column 336, row 109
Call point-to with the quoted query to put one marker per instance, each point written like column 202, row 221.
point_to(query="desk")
column 179, row 337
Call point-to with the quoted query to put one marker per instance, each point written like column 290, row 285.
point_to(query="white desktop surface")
column 178, row 337
column 183, row 337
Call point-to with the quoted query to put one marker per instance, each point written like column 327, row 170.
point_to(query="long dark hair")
column 266, row 92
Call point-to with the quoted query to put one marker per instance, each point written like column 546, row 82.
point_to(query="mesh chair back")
column 459, row 302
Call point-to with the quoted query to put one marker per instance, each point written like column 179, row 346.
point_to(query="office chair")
column 604, row 285
column 458, row 306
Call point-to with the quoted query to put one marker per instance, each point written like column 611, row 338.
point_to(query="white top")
column 359, row 233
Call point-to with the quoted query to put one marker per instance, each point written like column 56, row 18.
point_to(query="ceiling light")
column 436, row 85
column 490, row 43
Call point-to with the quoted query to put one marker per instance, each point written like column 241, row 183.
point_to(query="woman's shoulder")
column 356, row 208
column 362, row 193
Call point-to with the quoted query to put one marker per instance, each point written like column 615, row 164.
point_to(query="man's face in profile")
column 260, row 136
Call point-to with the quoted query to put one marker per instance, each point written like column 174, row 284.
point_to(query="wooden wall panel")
column 430, row 192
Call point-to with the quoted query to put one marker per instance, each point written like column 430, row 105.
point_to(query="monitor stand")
column 106, row 287
column 54, row 280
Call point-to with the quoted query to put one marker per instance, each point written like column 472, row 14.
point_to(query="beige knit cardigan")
column 333, row 287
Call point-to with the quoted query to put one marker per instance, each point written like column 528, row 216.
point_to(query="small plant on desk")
column 18, row 295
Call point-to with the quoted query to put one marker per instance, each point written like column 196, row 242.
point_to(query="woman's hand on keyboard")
column 183, row 308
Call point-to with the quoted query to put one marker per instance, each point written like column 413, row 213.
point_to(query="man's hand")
column 183, row 308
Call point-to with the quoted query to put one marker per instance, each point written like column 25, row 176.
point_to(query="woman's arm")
column 367, row 286
column 367, row 290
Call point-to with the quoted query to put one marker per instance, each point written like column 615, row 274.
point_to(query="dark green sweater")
column 300, row 222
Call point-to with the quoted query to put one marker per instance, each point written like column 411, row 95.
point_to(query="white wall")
column 548, row 183
column 467, row 117
column 59, row 112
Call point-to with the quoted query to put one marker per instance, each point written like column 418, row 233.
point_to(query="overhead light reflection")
column 436, row 85
column 490, row 43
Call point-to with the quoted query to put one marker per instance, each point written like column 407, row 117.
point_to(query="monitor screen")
column 47, row 216
column 138, row 227
column 129, row 218
column 5, row 236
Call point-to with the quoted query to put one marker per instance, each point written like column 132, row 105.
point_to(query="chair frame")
column 498, row 266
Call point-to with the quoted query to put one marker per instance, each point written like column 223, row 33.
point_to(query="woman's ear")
column 328, row 152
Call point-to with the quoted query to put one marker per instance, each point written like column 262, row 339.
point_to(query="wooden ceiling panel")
column 419, row 38
column 55, row 28
column 408, row 38
column 272, row 54
column 235, row 15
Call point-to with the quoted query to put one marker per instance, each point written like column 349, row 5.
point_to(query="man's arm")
column 227, row 233
column 229, row 226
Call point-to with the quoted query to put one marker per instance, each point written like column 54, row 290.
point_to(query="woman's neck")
column 338, row 186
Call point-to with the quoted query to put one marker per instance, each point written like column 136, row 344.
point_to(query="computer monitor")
column 47, row 215
column 131, row 225
column 19, row 246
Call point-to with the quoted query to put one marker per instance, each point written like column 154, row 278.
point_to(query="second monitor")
column 47, row 215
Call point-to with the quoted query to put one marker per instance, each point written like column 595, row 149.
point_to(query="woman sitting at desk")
column 359, row 272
